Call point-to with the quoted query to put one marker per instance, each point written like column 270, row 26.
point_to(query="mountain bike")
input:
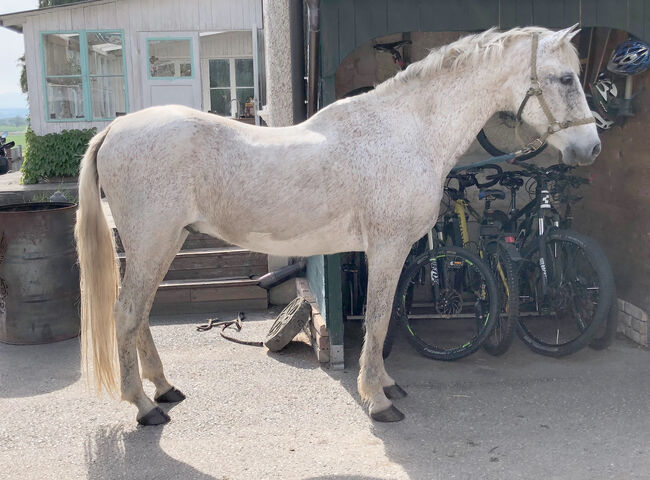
column 495, row 246
column 566, row 283
column 446, row 301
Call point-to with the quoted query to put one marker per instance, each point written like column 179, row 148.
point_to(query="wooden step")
column 205, row 296
column 192, row 242
column 213, row 263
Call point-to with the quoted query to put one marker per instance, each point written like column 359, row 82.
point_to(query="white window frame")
column 233, row 78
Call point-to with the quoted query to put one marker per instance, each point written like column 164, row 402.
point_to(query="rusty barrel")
column 39, row 276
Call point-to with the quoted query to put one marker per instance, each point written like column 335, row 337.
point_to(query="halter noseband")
column 535, row 90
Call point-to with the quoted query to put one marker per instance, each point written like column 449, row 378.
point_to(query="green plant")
column 54, row 154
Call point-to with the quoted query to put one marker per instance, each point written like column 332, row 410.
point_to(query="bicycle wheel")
column 578, row 298
column 447, row 303
column 503, row 333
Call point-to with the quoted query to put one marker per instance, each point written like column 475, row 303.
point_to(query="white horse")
column 364, row 174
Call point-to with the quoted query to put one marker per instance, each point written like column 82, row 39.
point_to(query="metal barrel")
column 39, row 275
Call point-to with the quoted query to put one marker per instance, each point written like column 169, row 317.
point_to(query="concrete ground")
column 250, row 414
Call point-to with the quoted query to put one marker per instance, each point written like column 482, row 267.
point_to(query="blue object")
column 630, row 57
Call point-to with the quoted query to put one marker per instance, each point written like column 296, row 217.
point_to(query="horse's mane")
column 469, row 50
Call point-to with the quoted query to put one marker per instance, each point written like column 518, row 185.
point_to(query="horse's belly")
column 338, row 235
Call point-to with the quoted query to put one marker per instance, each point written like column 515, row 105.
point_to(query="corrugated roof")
column 14, row 21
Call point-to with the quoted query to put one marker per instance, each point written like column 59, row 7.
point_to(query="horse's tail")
column 99, row 275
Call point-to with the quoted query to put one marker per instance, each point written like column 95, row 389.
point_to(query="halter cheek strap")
column 535, row 90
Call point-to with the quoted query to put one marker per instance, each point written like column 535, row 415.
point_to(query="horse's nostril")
column 596, row 151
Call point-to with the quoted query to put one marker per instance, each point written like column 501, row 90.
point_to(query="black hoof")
column 172, row 395
column 391, row 414
column 394, row 391
column 154, row 417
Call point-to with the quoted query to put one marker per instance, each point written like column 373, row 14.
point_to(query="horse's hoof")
column 172, row 395
column 394, row 391
column 155, row 416
column 391, row 414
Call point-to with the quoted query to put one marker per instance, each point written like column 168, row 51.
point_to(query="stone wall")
column 633, row 322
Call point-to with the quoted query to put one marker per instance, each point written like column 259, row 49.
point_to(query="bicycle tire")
column 605, row 336
column 489, row 147
column 499, row 340
column 487, row 309
column 594, row 255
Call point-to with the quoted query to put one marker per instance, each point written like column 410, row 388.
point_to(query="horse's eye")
column 566, row 79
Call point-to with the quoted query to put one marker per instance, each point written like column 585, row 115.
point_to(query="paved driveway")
column 254, row 415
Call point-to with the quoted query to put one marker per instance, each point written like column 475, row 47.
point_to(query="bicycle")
column 446, row 300
column 563, row 187
column 566, row 284
column 495, row 246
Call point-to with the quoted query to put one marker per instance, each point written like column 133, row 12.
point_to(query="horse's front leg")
column 384, row 268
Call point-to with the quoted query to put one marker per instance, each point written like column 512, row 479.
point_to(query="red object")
column 509, row 239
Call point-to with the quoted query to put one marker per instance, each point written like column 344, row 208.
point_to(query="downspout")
column 313, row 47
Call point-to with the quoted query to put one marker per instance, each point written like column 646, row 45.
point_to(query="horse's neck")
column 455, row 105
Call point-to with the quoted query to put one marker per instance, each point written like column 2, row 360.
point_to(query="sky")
column 12, row 48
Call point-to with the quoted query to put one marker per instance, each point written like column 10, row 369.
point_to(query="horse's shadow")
column 29, row 370
column 113, row 452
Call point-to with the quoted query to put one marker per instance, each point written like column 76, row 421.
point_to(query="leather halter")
column 535, row 90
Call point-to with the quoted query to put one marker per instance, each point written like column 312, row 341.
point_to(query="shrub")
column 54, row 154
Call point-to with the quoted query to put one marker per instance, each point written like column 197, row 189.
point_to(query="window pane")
column 219, row 73
column 244, row 72
column 61, row 52
column 64, row 98
column 107, row 95
column 220, row 101
column 170, row 58
column 243, row 94
column 105, row 53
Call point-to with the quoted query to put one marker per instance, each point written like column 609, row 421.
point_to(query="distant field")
column 12, row 128
column 19, row 138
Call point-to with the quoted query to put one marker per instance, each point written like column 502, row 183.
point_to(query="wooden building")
column 90, row 61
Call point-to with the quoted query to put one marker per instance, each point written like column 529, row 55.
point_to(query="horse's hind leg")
column 144, row 271
column 152, row 368
column 384, row 267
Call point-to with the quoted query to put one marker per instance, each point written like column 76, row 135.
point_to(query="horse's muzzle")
column 581, row 155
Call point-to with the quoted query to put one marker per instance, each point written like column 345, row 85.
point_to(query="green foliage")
column 54, row 154
column 23, row 74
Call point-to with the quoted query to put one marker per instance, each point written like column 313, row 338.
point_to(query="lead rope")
column 237, row 322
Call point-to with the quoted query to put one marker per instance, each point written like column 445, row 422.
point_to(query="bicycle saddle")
column 389, row 47
column 508, row 182
column 491, row 192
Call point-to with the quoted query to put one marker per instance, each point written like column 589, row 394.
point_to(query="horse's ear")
column 566, row 34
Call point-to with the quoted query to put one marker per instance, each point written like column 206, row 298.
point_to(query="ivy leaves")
column 54, row 154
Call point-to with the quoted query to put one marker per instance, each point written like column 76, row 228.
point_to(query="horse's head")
column 555, row 102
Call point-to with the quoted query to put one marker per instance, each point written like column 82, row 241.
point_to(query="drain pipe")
column 313, row 47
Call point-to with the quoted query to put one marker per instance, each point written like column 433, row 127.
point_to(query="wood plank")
column 211, row 294
column 178, row 295
column 237, row 282
column 524, row 13
column 346, row 32
column 209, row 307
column 220, row 272
column 402, row 15
column 507, row 14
